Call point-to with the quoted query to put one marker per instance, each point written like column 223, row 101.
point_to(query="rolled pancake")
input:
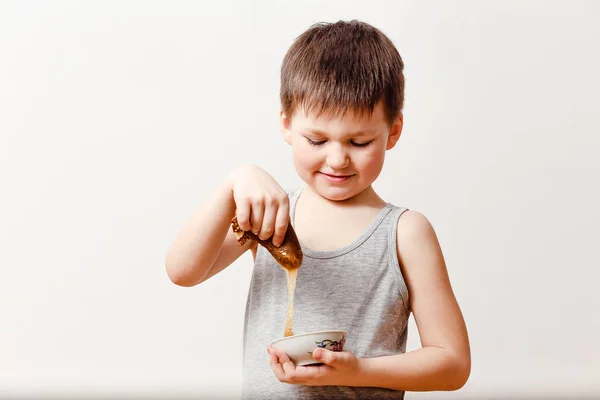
column 288, row 255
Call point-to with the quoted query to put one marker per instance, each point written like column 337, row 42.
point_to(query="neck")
column 367, row 198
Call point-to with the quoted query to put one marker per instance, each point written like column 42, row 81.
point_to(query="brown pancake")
column 288, row 255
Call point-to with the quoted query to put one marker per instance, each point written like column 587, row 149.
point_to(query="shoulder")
column 413, row 227
column 417, row 244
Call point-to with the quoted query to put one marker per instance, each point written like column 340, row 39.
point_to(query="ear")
column 285, row 125
column 395, row 132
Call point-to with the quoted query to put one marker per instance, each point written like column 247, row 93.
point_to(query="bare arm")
column 206, row 244
column 444, row 361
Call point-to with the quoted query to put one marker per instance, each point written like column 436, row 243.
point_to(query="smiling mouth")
column 337, row 176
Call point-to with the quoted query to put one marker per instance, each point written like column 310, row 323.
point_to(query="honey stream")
column 291, row 273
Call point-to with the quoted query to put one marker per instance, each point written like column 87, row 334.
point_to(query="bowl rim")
column 308, row 334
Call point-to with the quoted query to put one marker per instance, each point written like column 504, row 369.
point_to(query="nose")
column 337, row 157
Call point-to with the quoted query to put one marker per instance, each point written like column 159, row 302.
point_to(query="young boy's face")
column 339, row 157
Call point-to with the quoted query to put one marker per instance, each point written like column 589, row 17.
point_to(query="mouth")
column 336, row 178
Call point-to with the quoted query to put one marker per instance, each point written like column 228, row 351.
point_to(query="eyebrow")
column 357, row 133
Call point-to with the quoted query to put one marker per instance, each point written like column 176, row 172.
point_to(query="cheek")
column 304, row 157
column 370, row 158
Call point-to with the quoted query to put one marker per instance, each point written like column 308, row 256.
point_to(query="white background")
column 117, row 119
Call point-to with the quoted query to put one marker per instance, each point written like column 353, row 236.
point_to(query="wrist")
column 225, row 193
column 229, row 181
column 361, row 372
column 234, row 175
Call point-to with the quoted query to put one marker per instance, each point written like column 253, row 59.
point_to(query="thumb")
column 332, row 358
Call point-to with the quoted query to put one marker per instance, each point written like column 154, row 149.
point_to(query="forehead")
column 337, row 121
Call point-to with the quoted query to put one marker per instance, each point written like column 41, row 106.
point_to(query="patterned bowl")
column 300, row 347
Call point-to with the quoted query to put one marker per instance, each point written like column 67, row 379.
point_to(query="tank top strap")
column 293, row 198
column 392, row 234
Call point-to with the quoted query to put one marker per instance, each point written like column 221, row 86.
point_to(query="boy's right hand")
column 262, row 206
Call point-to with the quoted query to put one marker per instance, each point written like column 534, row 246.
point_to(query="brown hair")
column 336, row 66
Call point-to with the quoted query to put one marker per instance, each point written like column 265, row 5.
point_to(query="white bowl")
column 300, row 347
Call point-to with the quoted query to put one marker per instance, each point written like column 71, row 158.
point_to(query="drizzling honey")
column 288, row 255
column 291, row 273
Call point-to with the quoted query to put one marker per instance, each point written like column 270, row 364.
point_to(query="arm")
column 206, row 244
column 444, row 361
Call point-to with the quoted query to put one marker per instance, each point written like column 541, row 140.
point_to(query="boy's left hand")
column 339, row 368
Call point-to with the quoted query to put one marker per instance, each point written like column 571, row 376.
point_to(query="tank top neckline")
column 308, row 252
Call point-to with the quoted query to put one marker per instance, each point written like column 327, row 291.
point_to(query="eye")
column 361, row 144
column 314, row 142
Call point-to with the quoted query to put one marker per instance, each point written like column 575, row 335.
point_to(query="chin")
column 335, row 193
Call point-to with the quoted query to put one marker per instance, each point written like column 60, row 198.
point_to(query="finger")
column 242, row 214
column 256, row 219
column 327, row 357
column 268, row 221
column 281, row 223
column 275, row 365
column 288, row 366
column 311, row 373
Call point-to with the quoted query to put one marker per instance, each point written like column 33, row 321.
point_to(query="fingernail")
column 317, row 353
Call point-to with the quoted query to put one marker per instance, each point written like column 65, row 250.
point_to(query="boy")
column 367, row 263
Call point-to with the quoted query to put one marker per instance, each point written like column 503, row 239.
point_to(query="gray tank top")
column 358, row 288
